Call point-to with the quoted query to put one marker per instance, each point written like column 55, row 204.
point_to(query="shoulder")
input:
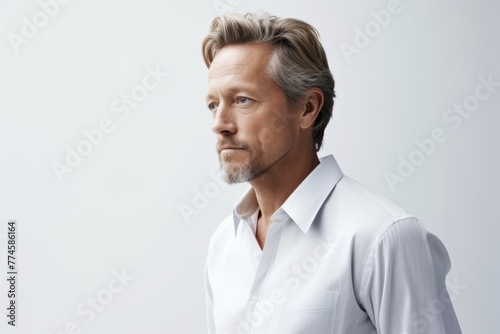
column 356, row 210
column 386, row 220
column 359, row 198
column 386, row 238
column 362, row 220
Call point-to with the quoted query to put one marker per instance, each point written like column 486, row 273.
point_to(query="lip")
column 230, row 148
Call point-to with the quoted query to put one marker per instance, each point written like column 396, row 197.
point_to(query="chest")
column 296, row 282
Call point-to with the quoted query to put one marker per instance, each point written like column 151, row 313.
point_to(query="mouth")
column 228, row 149
column 229, row 146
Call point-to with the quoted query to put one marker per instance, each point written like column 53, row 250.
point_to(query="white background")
column 120, row 208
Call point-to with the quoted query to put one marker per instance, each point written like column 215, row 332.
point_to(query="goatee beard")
column 235, row 174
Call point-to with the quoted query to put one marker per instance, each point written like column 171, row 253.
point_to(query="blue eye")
column 212, row 106
column 242, row 100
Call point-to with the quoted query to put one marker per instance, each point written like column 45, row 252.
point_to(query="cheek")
column 274, row 131
column 271, row 139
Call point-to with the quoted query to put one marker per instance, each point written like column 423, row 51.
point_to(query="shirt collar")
column 244, row 208
column 305, row 201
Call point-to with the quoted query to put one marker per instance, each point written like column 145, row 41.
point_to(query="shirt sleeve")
column 209, row 301
column 404, row 283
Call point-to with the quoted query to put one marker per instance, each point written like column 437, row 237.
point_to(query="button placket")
column 267, row 259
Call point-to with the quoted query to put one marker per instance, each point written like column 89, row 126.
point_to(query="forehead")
column 239, row 64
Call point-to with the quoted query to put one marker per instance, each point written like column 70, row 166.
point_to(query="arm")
column 404, row 282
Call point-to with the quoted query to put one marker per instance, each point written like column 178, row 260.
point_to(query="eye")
column 242, row 100
column 212, row 106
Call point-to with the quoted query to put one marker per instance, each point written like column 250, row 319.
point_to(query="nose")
column 224, row 122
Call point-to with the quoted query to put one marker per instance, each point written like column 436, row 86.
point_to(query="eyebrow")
column 209, row 97
column 231, row 90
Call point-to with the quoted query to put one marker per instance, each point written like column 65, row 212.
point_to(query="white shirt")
column 337, row 259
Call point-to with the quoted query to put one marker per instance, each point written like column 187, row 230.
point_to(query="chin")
column 236, row 173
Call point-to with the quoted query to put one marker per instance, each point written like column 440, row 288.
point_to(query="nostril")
column 223, row 126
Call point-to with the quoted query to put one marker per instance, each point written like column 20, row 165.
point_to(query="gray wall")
column 82, row 221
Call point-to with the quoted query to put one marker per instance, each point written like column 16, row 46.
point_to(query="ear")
column 313, row 102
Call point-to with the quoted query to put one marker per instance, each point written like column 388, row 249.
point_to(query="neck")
column 278, row 183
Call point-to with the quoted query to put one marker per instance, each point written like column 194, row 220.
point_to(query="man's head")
column 287, row 65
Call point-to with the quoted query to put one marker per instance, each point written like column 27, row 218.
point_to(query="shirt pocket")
column 309, row 310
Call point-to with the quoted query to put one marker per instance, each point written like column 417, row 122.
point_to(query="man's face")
column 256, row 130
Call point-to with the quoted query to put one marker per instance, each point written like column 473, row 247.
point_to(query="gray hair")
column 297, row 64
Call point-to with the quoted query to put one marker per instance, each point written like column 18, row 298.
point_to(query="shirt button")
column 254, row 299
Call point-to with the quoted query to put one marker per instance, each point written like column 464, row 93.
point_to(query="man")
column 306, row 250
